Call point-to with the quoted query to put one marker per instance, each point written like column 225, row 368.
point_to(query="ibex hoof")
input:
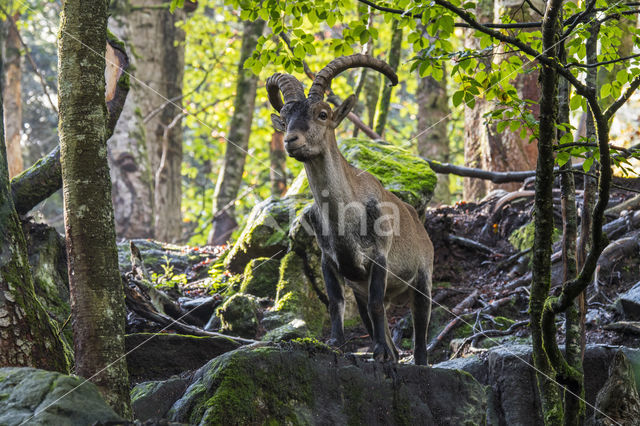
column 383, row 353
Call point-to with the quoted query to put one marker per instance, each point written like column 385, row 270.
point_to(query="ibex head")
column 309, row 122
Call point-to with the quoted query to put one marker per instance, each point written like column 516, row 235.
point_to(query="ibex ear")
column 341, row 112
column 278, row 123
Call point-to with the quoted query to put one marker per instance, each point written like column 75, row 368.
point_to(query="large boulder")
column 39, row 397
column 629, row 303
column 266, row 232
column 303, row 382
column 509, row 371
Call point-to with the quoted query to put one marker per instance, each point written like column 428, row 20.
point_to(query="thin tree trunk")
column 12, row 95
column 384, row 99
column 235, row 154
column 278, row 171
column 97, row 297
column 158, row 44
column 543, row 220
column 131, row 175
column 476, row 133
column 433, row 137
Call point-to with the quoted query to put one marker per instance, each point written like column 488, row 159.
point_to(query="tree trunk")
column 131, row 174
column 12, row 95
column 97, row 297
column 476, row 133
column 433, row 139
column 235, row 154
column 384, row 99
column 278, row 171
column 158, row 44
column 27, row 336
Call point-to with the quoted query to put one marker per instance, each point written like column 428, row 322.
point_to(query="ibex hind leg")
column 421, row 311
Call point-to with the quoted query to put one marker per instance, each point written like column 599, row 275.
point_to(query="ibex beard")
column 370, row 239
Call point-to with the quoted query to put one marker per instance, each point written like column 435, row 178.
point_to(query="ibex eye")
column 323, row 115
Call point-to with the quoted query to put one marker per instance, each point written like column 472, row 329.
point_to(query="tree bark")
column 27, row 336
column 131, row 175
column 12, row 95
column 476, row 133
column 433, row 139
column 384, row 99
column 278, row 171
column 97, row 297
column 235, row 154
column 159, row 47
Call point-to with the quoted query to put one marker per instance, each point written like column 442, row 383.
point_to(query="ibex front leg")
column 382, row 351
column 335, row 294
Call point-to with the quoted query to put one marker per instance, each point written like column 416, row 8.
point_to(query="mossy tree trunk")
column 97, row 297
column 27, row 336
column 235, row 155
column 278, row 160
column 12, row 95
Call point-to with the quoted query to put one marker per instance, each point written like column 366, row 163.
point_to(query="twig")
column 488, row 333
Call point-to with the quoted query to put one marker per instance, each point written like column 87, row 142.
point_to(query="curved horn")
column 323, row 78
column 290, row 87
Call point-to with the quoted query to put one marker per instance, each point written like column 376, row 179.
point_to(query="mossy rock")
column 304, row 382
column 522, row 238
column 239, row 315
column 39, row 397
column 401, row 172
column 299, row 295
column 261, row 277
column 295, row 329
column 266, row 232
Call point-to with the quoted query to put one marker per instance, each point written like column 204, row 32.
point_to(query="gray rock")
column 629, row 303
column 295, row 329
column 508, row 370
column 152, row 400
column 239, row 315
column 39, row 397
column 303, row 382
column 202, row 307
column 159, row 356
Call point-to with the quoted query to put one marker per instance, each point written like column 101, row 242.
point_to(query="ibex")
column 366, row 234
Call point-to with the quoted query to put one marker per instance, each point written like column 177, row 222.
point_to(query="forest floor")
column 480, row 283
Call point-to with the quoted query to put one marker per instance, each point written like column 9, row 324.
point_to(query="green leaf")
column 457, row 97
column 575, row 103
column 562, row 158
column 586, row 166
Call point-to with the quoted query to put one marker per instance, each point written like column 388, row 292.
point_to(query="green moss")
column 522, row 238
column 238, row 315
column 261, row 277
column 247, row 392
column 296, row 294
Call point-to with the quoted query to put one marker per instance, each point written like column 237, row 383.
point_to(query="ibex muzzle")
column 368, row 236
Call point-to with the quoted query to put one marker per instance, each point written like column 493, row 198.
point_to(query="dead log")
column 632, row 203
column 44, row 178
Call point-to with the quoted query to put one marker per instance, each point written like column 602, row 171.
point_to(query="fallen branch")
column 488, row 333
column 466, row 242
column 632, row 203
column 44, row 178
column 468, row 302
